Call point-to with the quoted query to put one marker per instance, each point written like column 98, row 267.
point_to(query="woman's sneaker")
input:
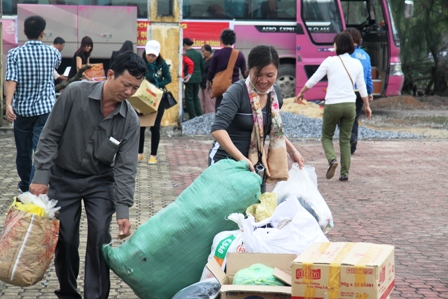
column 152, row 160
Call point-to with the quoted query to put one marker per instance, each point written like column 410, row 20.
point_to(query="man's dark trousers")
column 192, row 102
column 69, row 189
column 26, row 135
column 354, row 137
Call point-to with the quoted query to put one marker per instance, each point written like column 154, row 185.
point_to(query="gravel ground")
column 297, row 126
column 393, row 118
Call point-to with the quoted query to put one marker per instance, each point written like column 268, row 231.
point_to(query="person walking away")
column 127, row 46
column 81, row 56
column 342, row 72
column 251, row 108
column 30, row 94
column 87, row 154
column 58, row 44
column 221, row 59
column 205, row 94
column 192, row 86
column 158, row 74
column 362, row 56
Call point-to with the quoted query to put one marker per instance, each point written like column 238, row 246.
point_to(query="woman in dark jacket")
column 158, row 74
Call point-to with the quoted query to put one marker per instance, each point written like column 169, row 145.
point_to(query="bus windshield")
column 322, row 19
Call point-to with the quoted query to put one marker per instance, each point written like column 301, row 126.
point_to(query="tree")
column 424, row 45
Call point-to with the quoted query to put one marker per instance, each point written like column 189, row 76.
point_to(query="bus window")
column 322, row 20
column 10, row 6
column 241, row 10
column 235, row 9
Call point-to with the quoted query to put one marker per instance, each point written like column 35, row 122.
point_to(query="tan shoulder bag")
column 223, row 79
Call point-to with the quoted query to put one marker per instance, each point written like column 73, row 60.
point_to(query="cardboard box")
column 236, row 261
column 344, row 270
column 147, row 120
column 95, row 73
column 147, row 98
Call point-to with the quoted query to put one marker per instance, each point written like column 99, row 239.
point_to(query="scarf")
column 275, row 160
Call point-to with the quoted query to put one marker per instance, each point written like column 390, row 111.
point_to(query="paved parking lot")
column 397, row 194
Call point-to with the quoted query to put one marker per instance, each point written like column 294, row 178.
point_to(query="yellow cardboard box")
column 147, row 120
column 147, row 98
column 344, row 271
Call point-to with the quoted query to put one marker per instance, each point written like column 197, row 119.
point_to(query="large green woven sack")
column 170, row 250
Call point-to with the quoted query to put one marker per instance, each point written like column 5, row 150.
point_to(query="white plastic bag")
column 41, row 201
column 290, row 230
column 302, row 185
column 223, row 243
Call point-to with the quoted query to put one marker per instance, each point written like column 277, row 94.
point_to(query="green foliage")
column 424, row 45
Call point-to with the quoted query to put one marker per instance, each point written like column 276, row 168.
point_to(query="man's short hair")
column 34, row 26
column 131, row 62
column 58, row 41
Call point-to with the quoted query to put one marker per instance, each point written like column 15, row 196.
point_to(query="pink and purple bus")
column 301, row 30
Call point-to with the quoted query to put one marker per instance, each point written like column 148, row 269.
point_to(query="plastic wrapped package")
column 257, row 274
column 28, row 240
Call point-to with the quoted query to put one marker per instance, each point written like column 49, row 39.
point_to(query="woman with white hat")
column 158, row 74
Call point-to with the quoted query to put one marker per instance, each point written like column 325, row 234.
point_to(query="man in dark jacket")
column 192, row 86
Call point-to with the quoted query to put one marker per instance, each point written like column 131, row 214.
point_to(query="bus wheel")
column 286, row 79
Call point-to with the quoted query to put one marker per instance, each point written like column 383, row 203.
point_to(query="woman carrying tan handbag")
column 342, row 72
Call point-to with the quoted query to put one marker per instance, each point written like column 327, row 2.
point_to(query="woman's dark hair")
column 356, row 35
column 228, row 37
column 344, row 43
column 207, row 48
column 127, row 46
column 131, row 62
column 262, row 56
column 86, row 40
column 34, row 26
column 159, row 58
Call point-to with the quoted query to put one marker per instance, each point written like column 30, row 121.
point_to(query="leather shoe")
column 331, row 169
column 343, row 178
